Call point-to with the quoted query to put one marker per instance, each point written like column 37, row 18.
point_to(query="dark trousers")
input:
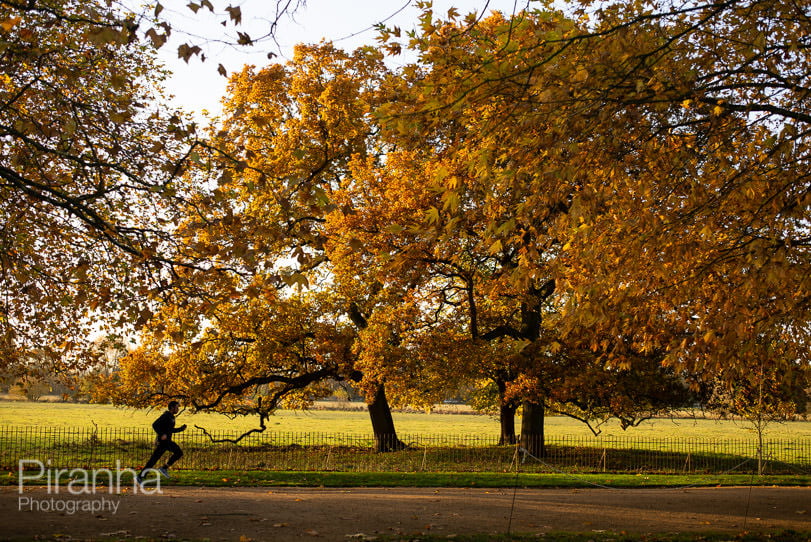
column 162, row 447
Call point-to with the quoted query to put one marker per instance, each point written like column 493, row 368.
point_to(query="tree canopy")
column 85, row 150
column 90, row 171
column 602, row 211
column 652, row 160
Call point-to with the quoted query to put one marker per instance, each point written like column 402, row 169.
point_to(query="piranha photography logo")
column 79, row 490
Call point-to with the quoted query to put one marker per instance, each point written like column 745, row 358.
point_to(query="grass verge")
column 264, row 478
column 485, row 480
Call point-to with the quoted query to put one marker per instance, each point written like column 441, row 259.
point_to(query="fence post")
column 326, row 461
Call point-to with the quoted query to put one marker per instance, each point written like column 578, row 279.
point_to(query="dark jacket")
column 165, row 425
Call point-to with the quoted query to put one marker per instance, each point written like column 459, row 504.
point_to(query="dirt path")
column 282, row 514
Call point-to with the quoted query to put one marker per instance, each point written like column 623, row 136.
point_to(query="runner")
column 164, row 426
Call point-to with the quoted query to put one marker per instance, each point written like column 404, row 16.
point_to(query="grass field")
column 20, row 413
column 69, row 434
column 265, row 478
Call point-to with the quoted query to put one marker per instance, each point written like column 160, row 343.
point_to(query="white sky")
column 348, row 23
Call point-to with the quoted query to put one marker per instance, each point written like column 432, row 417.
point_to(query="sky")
column 349, row 24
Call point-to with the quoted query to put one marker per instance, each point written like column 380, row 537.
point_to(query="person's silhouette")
column 164, row 426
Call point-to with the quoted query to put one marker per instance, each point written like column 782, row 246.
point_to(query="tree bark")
column 506, row 416
column 383, row 424
column 507, row 419
column 532, row 428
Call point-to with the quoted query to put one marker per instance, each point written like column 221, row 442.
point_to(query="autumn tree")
column 267, row 184
column 88, row 162
column 763, row 393
column 91, row 158
column 298, row 130
column 463, row 234
column 651, row 171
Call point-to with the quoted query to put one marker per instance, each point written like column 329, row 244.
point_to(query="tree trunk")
column 379, row 410
column 383, row 424
column 507, row 419
column 506, row 416
column 532, row 437
column 532, row 421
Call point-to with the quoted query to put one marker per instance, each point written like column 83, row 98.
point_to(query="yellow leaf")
column 581, row 75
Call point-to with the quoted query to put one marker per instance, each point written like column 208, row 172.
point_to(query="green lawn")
column 341, row 440
column 256, row 478
column 265, row 478
column 357, row 422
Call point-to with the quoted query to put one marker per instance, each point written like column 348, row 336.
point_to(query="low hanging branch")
column 263, row 416
column 291, row 383
column 265, row 409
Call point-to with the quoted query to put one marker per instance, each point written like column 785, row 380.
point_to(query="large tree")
column 268, row 183
column 88, row 162
column 486, row 234
column 655, row 169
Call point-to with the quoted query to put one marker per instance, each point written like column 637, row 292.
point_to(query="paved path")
column 336, row 514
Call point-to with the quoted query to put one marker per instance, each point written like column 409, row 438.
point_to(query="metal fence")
column 90, row 447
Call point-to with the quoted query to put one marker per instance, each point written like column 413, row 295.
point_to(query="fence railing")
column 90, row 447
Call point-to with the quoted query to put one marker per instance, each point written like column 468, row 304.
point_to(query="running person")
column 164, row 426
